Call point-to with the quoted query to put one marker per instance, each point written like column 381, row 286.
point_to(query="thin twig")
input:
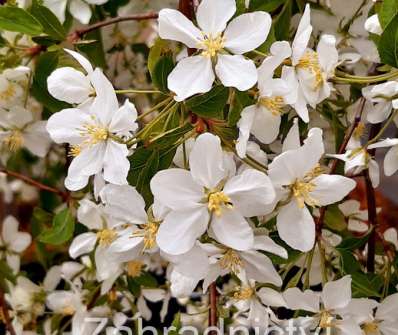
column 35, row 183
column 333, row 166
column 79, row 33
column 371, row 202
column 213, row 307
column 6, row 314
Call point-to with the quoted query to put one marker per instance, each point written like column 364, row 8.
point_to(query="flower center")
column 244, row 293
column 14, row 141
column 148, row 232
column 274, row 104
column 231, row 261
column 134, row 268
column 212, row 45
column 370, row 328
column 74, row 150
column 216, row 201
column 302, row 188
column 326, row 320
column 68, row 310
column 310, row 62
column 95, row 133
column 106, row 237
column 8, row 93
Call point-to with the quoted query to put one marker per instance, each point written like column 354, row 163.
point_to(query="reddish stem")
column 213, row 307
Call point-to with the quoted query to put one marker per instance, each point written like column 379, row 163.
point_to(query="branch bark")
column 5, row 314
column 213, row 307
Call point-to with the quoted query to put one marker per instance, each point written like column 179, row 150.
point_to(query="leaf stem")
column 138, row 91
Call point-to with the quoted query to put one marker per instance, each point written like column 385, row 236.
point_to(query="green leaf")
column 265, row 5
column 334, row 219
column 19, row 20
column 353, row 243
column 239, row 101
column 388, row 10
column 282, row 22
column 210, row 104
column 388, row 44
column 161, row 71
column 363, row 286
column 171, row 137
column 6, row 272
column 175, row 325
column 50, row 23
column 147, row 280
column 349, row 263
column 46, row 64
column 160, row 47
column 61, row 230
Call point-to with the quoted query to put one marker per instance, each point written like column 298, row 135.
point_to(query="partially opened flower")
column 298, row 174
column 13, row 242
column 20, row 130
column 219, row 45
column 73, row 86
column 382, row 98
column 207, row 194
column 96, row 136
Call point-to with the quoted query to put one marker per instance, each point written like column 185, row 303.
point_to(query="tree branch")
column 213, row 307
column 5, row 314
column 30, row 181
column 79, row 33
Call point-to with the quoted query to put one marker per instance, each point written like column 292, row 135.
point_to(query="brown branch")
column 187, row 7
column 79, row 33
column 30, row 181
column 371, row 203
column 5, row 314
column 342, row 149
column 213, row 307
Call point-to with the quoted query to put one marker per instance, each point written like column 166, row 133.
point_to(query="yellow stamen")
column 68, row 310
column 274, row 104
column 106, row 237
column 112, row 295
column 211, row 45
column 370, row 328
column 216, row 201
column 310, row 62
column 326, row 320
column 359, row 130
column 95, row 132
column 14, row 141
column 301, row 191
column 149, row 231
column 74, row 150
column 134, row 268
column 8, row 93
column 231, row 261
column 244, row 293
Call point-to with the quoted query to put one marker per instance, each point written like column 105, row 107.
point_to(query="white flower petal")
column 292, row 139
column 327, row 53
column 82, row 244
column 247, row 32
column 83, row 61
column 124, row 120
column 307, row 300
column 270, row 297
column 212, row 16
column 236, row 71
column 244, row 125
column 80, row 10
column 265, row 243
column 337, row 294
column 372, row 25
column 249, row 192
column 232, row 229
column 331, row 188
column 192, row 75
column 116, row 165
column 175, row 188
column 70, row 85
column 206, row 161
column 173, row 25
column 303, row 36
column 296, row 226
column 266, row 125
column 58, row 7
column 179, row 230
column 388, row 308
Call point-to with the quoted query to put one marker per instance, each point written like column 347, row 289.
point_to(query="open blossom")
column 80, row 9
column 298, row 174
column 13, row 242
column 264, row 118
column 95, row 136
column 20, row 130
column 12, row 86
column 219, row 44
column 206, row 194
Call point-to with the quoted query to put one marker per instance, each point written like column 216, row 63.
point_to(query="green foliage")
column 210, row 104
column 19, row 20
column 61, row 230
column 265, row 5
column 353, row 243
column 388, row 10
column 159, row 48
column 282, row 21
column 6, row 273
column 46, row 64
column 50, row 23
column 388, row 44
column 334, row 219
column 161, row 71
